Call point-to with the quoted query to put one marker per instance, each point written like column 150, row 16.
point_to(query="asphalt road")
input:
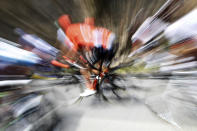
column 137, row 111
column 146, row 105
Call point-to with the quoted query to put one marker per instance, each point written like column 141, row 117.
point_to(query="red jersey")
column 86, row 34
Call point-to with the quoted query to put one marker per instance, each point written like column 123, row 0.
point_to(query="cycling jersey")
column 86, row 34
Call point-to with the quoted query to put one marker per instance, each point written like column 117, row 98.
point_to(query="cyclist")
column 85, row 40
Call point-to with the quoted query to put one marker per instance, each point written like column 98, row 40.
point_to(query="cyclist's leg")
column 90, row 88
column 86, row 74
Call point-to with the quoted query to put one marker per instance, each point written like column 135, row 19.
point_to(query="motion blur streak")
column 92, row 65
